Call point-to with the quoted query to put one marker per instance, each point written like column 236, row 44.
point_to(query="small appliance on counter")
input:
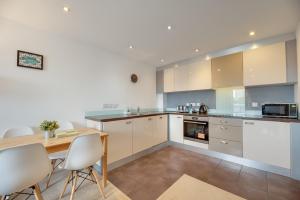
column 182, row 109
column 281, row 110
column 203, row 109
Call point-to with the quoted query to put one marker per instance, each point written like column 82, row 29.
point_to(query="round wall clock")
column 134, row 78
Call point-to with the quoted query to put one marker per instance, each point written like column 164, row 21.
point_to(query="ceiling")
column 208, row 25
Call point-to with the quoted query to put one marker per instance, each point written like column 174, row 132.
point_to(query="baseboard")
column 235, row 159
column 136, row 156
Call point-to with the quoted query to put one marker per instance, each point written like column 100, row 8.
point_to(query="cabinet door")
column 181, row 78
column 267, row 142
column 169, row 80
column 176, row 128
column 227, row 71
column 120, row 139
column 161, row 129
column 143, row 133
column 199, row 77
column 265, row 65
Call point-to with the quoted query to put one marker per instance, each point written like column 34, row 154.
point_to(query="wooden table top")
column 39, row 138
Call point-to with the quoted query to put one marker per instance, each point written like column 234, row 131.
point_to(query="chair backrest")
column 22, row 167
column 15, row 132
column 85, row 151
column 65, row 125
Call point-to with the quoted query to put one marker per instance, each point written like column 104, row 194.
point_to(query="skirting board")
column 136, row 156
column 238, row 160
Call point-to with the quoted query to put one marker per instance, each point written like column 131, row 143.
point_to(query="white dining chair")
column 23, row 167
column 84, row 152
column 58, row 158
column 15, row 132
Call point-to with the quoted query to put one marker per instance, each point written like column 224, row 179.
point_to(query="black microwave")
column 285, row 110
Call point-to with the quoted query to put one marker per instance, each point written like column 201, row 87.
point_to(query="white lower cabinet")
column 267, row 142
column 142, row 134
column 127, row 137
column 160, row 134
column 176, row 128
column 119, row 140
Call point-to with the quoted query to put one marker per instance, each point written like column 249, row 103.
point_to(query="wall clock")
column 134, row 78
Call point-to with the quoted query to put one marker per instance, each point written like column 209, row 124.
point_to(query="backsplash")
column 268, row 94
column 207, row 97
column 254, row 98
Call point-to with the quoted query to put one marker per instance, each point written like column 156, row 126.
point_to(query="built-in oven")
column 196, row 129
column 287, row 110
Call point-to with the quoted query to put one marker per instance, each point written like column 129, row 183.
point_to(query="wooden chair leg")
column 65, row 186
column 53, row 162
column 96, row 176
column 74, row 186
column 37, row 192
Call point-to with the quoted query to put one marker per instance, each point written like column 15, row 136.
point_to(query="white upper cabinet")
column 169, row 80
column 195, row 75
column 265, row 65
column 181, row 78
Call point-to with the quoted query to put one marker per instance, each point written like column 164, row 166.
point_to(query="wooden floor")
column 149, row 176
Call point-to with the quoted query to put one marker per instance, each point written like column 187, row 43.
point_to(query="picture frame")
column 30, row 60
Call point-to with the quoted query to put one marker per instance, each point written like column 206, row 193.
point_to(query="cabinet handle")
column 249, row 123
column 149, row 119
column 179, row 117
column 160, row 117
column 129, row 122
column 223, row 142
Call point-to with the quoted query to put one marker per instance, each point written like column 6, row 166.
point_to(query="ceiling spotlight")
column 66, row 9
column 130, row 47
column 162, row 60
column 254, row 46
column 251, row 33
column 196, row 50
column 207, row 58
column 169, row 27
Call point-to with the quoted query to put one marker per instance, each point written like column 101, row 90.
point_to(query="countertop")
column 115, row 117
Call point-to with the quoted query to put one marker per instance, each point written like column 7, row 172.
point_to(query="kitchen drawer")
column 226, row 146
column 234, row 133
column 226, row 121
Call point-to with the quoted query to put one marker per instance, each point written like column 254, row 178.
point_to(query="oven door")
column 196, row 130
column 275, row 110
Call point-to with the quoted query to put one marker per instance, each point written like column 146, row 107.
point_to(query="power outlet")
column 254, row 104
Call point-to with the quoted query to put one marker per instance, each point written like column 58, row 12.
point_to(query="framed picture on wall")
column 30, row 60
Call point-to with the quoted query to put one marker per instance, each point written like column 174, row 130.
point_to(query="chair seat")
column 58, row 155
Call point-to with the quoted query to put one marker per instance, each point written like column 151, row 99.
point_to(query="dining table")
column 53, row 145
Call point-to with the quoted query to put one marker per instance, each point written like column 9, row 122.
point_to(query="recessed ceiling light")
column 130, row 47
column 254, row 46
column 169, row 27
column 207, row 58
column 162, row 60
column 251, row 33
column 197, row 50
column 66, row 9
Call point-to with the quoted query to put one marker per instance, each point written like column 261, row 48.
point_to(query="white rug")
column 189, row 188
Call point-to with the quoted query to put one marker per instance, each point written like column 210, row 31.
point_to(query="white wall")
column 297, row 87
column 77, row 77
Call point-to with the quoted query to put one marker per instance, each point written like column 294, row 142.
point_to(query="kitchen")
column 148, row 100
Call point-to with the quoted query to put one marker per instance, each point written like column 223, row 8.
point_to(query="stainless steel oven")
column 287, row 110
column 196, row 129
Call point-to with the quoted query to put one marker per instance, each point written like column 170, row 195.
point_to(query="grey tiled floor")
column 149, row 176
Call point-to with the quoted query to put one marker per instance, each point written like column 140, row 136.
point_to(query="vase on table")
column 48, row 134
